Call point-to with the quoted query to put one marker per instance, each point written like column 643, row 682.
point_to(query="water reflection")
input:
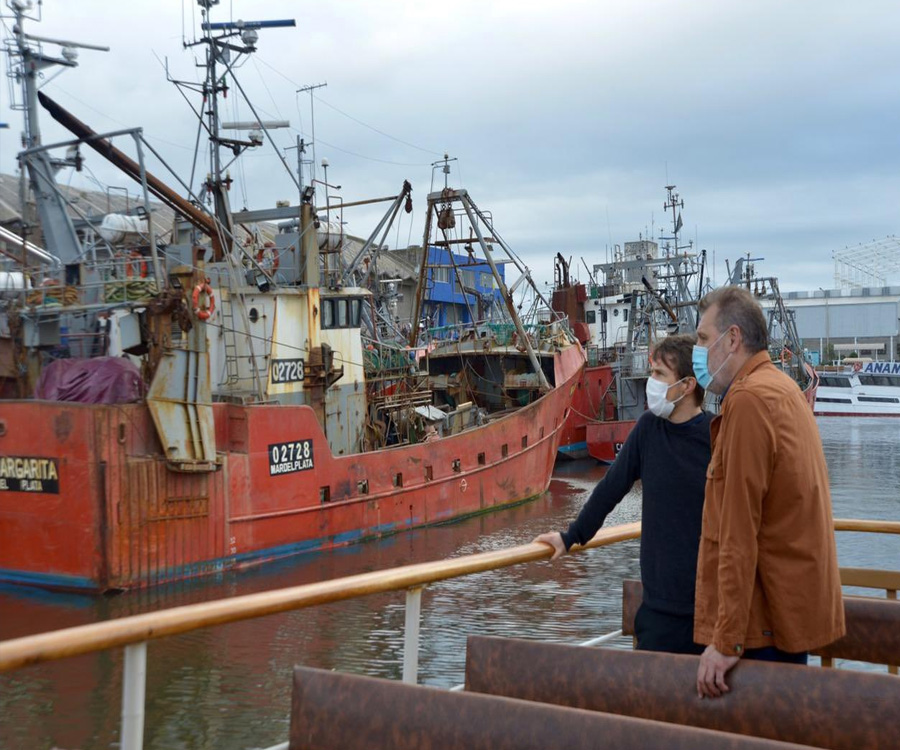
column 230, row 686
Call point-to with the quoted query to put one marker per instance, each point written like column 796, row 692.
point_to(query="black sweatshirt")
column 671, row 461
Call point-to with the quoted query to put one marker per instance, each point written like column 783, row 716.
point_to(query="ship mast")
column 27, row 63
column 219, row 50
column 680, row 264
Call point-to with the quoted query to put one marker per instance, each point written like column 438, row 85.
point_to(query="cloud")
column 777, row 121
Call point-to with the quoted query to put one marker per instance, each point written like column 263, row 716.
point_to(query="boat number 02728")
column 287, row 370
column 296, row 455
column 290, row 451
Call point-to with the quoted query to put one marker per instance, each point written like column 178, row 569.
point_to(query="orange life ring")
column 270, row 249
column 203, row 313
column 857, row 366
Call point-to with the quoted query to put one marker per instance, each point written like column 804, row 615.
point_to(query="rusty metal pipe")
column 331, row 711
column 786, row 702
column 658, row 297
column 195, row 216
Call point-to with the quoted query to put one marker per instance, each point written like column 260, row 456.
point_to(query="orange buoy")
column 205, row 312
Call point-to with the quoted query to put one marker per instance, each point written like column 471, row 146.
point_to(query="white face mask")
column 656, row 397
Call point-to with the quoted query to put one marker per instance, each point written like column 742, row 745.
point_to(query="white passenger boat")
column 870, row 389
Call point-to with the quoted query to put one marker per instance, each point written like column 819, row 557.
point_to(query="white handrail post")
column 411, row 635
column 134, row 689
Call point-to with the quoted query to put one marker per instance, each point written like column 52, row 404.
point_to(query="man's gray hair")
column 736, row 307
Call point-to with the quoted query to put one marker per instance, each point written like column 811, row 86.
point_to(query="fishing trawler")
column 643, row 294
column 227, row 397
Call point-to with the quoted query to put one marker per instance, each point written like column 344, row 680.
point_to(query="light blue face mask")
column 700, row 362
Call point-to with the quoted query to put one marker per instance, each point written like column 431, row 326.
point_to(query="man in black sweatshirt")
column 668, row 450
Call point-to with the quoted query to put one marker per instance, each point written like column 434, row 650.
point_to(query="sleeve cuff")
column 729, row 646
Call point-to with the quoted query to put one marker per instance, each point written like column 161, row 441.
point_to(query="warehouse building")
column 838, row 323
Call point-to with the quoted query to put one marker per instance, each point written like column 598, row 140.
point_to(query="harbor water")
column 229, row 687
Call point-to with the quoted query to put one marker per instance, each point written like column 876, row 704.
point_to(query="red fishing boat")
column 224, row 399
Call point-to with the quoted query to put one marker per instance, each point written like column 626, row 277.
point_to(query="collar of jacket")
column 754, row 363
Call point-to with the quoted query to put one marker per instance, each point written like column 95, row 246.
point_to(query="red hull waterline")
column 92, row 506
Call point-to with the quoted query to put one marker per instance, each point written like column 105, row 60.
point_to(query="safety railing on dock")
column 134, row 633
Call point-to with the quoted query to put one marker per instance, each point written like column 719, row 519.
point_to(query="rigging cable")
column 351, row 117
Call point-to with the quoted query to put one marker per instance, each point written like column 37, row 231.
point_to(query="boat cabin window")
column 879, row 399
column 341, row 312
column 834, row 382
column 590, row 316
column 883, row 380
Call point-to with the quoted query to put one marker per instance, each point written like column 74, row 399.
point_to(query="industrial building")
column 860, row 317
column 838, row 323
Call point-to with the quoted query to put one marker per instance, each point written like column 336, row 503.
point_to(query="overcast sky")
column 778, row 121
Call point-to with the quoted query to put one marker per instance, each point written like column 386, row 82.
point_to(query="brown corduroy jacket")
column 767, row 572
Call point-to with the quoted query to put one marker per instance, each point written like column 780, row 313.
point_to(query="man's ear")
column 691, row 386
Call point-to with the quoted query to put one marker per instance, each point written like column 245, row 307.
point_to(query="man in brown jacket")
column 768, row 585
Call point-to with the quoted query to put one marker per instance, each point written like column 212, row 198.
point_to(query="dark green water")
column 229, row 687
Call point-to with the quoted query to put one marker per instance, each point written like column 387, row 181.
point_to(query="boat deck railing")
column 502, row 333
column 135, row 632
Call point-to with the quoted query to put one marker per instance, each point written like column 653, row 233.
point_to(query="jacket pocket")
column 713, row 498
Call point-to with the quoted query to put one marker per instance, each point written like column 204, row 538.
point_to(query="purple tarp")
column 101, row 380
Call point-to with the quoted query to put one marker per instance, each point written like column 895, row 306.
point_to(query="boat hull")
column 116, row 517
column 873, row 391
column 590, row 403
column 605, row 439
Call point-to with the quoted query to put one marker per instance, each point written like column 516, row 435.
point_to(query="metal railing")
column 134, row 633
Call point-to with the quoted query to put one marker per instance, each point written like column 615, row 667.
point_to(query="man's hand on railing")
column 711, row 673
column 553, row 539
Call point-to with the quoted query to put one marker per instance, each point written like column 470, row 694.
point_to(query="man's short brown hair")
column 736, row 307
column 676, row 353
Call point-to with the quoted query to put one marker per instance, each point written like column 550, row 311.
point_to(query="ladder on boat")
column 232, row 376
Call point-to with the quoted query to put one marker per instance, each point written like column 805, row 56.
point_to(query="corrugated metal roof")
column 96, row 203
column 86, row 203
column 391, row 263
